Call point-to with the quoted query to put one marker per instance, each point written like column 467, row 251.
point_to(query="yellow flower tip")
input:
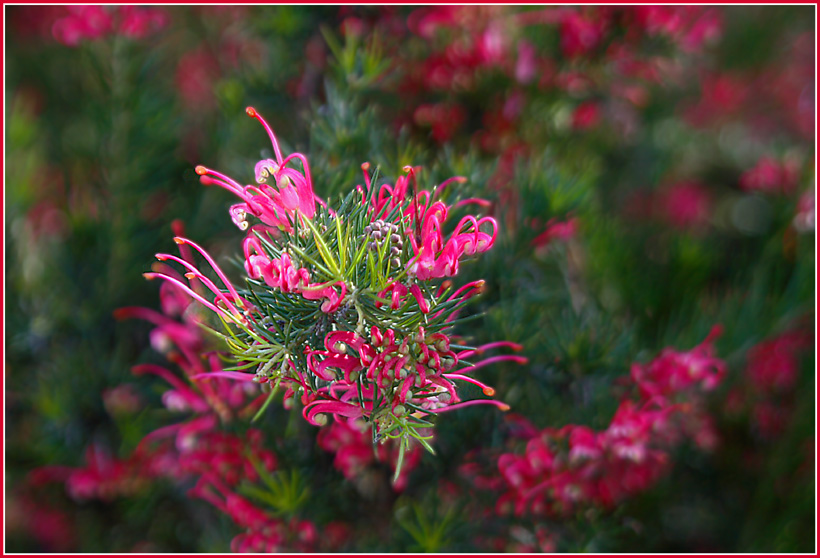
column 504, row 407
column 251, row 112
column 179, row 240
column 148, row 275
column 489, row 391
column 365, row 166
column 201, row 170
column 407, row 168
column 190, row 275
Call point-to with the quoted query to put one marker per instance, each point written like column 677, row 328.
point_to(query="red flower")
column 586, row 115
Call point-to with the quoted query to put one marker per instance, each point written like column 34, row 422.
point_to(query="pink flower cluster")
column 423, row 365
column 674, row 373
column 277, row 205
column 262, row 532
column 274, row 204
column 104, row 477
column 769, row 101
column 772, row 371
column 771, row 176
column 89, row 23
column 565, row 469
column 352, row 444
column 468, row 43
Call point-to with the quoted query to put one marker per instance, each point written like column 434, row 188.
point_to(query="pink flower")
column 196, row 73
column 685, row 205
column 674, row 372
column 526, row 65
column 83, row 23
column 138, row 22
column 586, row 116
column 274, row 204
column 579, row 35
column 352, row 444
column 770, row 176
column 773, row 365
column 563, row 470
column 88, row 23
column 804, row 220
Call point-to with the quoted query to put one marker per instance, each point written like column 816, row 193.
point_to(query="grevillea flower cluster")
column 563, row 470
column 349, row 309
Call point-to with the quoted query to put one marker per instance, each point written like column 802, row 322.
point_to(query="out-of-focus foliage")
column 651, row 169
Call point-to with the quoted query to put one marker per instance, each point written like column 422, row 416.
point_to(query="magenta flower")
column 89, row 23
column 770, row 176
column 341, row 308
column 685, row 205
column 673, row 372
column 562, row 471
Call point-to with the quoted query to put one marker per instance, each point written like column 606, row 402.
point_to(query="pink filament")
column 499, row 404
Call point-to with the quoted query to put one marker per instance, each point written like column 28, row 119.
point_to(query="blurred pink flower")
column 587, row 115
column 351, row 442
column 685, row 205
column 672, row 372
column 804, row 220
column 575, row 467
column 197, row 72
column 89, row 23
column 770, row 176
column 773, row 364
column 580, row 34
column 526, row 64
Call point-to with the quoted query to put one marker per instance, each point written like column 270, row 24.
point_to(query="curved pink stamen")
column 494, row 223
column 253, row 114
column 185, row 288
column 218, row 178
column 499, row 404
column 477, row 285
column 181, row 240
column 205, row 280
column 479, row 350
column 484, row 387
column 443, row 185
